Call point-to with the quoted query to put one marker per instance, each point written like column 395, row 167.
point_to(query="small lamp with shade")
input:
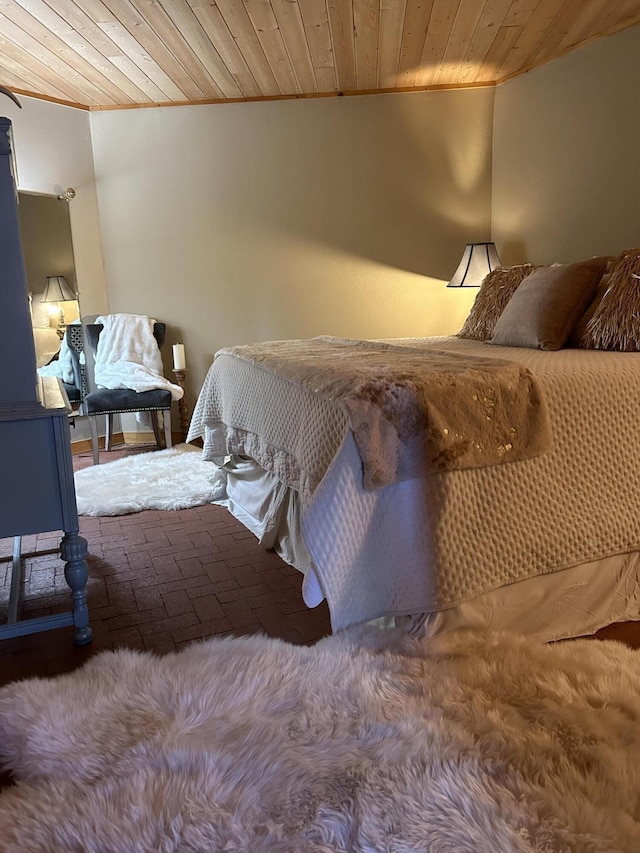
column 56, row 292
column 478, row 259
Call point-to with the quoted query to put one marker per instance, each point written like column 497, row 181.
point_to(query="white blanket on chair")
column 128, row 356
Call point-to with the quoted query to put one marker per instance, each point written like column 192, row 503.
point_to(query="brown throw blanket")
column 413, row 410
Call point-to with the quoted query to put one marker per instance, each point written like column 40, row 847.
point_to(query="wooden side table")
column 183, row 413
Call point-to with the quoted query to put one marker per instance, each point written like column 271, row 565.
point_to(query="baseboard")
column 83, row 445
column 149, row 438
column 139, row 438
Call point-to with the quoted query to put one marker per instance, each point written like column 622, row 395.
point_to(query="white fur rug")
column 368, row 741
column 177, row 478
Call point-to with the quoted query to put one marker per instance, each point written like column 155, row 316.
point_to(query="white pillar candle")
column 179, row 361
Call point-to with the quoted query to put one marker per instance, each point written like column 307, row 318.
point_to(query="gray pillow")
column 547, row 305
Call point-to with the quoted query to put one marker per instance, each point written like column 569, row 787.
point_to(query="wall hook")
column 66, row 195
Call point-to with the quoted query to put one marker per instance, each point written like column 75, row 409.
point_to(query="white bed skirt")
column 571, row 602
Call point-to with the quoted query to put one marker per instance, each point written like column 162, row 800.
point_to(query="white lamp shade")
column 478, row 259
column 57, row 290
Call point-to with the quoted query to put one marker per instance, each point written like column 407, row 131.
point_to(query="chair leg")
column 166, row 416
column 156, row 429
column 108, row 435
column 93, row 429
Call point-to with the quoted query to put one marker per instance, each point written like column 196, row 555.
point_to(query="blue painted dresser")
column 37, row 492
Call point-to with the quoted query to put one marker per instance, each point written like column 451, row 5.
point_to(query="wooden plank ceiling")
column 102, row 54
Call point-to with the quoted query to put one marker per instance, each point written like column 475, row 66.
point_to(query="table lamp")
column 56, row 292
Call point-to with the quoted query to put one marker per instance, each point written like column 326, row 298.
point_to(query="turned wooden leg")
column 73, row 550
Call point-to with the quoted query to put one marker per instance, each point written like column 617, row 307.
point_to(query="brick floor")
column 160, row 580
column 157, row 581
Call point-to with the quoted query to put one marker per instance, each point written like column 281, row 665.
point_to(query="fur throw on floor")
column 176, row 478
column 368, row 741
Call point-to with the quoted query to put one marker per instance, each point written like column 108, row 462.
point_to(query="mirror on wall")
column 45, row 231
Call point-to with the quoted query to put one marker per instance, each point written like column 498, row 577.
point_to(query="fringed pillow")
column 495, row 292
column 616, row 322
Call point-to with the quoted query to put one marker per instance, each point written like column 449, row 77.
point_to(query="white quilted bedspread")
column 297, row 433
column 487, row 527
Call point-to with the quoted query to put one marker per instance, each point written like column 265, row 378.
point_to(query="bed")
column 538, row 531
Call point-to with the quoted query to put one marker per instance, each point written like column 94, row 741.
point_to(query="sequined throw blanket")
column 411, row 410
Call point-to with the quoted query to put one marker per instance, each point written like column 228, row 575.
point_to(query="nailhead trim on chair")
column 75, row 341
column 129, row 411
column 120, row 400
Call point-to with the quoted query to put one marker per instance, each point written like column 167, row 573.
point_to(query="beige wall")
column 339, row 216
column 53, row 151
column 566, row 164
column 258, row 221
